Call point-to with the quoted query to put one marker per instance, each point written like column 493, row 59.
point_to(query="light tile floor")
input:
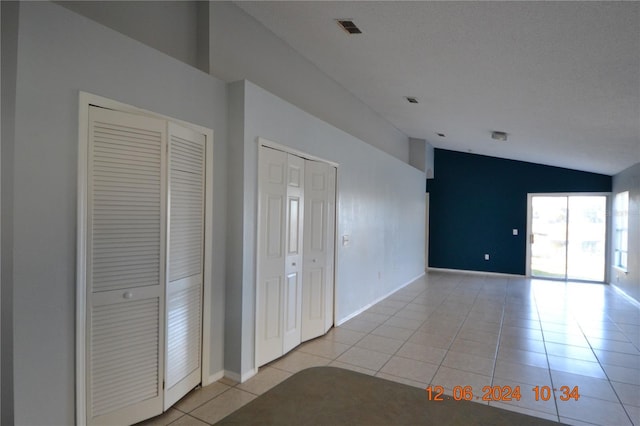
column 451, row 329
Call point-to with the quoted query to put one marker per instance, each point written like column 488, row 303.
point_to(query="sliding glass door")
column 567, row 238
column 549, row 237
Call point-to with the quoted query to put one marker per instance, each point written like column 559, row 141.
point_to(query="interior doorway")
column 296, row 249
column 143, row 259
column 567, row 236
column 426, row 232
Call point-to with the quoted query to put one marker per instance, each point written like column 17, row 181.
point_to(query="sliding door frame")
column 607, row 250
column 85, row 101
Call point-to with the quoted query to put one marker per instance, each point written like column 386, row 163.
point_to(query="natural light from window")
column 621, row 226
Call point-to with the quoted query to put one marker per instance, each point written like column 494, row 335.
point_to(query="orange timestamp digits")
column 465, row 393
column 544, row 393
column 501, row 393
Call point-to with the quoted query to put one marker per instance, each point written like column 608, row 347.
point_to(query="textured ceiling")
column 561, row 78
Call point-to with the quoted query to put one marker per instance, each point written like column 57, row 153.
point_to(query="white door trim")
column 607, row 262
column 85, row 100
column 426, row 232
column 289, row 150
column 284, row 148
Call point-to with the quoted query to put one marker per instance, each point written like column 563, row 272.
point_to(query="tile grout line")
column 409, row 337
column 450, row 288
column 206, row 402
column 605, row 371
column 546, row 354
column 457, row 331
column 504, row 307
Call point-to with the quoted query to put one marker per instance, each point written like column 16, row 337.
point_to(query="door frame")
column 607, row 248
column 85, row 101
column 426, row 232
column 262, row 142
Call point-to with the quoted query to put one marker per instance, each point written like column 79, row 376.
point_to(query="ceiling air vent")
column 349, row 26
column 499, row 136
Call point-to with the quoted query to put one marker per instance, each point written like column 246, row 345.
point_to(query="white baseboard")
column 379, row 299
column 626, row 295
column 232, row 375
column 468, row 272
column 240, row 378
column 214, row 377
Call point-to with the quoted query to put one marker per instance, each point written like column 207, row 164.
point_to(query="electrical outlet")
column 515, row 231
column 486, row 257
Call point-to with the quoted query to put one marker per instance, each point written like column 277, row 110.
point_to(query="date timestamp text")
column 502, row 393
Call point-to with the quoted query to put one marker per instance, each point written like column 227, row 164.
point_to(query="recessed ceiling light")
column 442, row 135
column 411, row 99
column 349, row 26
column 499, row 136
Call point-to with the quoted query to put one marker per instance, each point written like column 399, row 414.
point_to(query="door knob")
column 293, row 263
column 127, row 295
column 314, row 260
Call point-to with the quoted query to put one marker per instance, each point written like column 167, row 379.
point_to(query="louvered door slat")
column 115, row 340
column 184, row 310
column 137, row 151
column 185, row 262
column 187, row 202
column 125, row 268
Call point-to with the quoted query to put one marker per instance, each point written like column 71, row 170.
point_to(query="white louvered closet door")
column 125, row 267
column 185, row 262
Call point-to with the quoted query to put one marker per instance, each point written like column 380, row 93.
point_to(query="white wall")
column 169, row 26
column 242, row 48
column 235, row 230
column 221, row 38
column 430, row 157
column 380, row 199
column 629, row 180
column 0, row 221
column 417, row 153
column 380, row 206
column 59, row 54
column 9, row 38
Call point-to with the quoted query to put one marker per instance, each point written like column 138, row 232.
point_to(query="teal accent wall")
column 476, row 201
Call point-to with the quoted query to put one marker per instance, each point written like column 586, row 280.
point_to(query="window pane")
column 621, row 224
column 549, row 228
column 587, row 238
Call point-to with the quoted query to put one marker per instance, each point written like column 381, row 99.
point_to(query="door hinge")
column 163, row 385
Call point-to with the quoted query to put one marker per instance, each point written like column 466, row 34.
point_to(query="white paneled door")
column 294, row 221
column 295, row 252
column 270, row 287
column 145, row 232
column 319, row 235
